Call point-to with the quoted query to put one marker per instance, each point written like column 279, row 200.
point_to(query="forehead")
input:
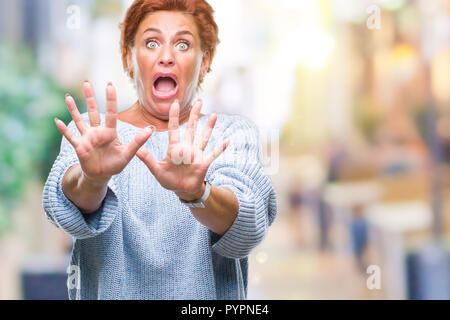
column 169, row 22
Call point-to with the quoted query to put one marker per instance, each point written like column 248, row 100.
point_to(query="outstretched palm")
column 184, row 168
column 100, row 152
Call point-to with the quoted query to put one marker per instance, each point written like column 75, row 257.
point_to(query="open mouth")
column 165, row 86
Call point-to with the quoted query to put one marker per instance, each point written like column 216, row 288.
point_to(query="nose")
column 166, row 58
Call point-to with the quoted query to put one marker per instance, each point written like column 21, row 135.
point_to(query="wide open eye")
column 152, row 44
column 183, row 46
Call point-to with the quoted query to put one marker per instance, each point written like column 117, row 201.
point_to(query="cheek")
column 146, row 64
column 190, row 69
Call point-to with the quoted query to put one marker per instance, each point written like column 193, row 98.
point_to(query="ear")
column 130, row 63
column 205, row 63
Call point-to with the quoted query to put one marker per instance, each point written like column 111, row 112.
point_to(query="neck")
column 139, row 117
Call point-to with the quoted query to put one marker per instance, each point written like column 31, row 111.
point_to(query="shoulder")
column 235, row 122
column 242, row 131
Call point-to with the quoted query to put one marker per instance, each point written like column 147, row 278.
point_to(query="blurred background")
column 352, row 101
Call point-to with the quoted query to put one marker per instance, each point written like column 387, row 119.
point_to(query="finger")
column 217, row 152
column 192, row 124
column 198, row 156
column 174, row 114
column 148, row 160
column 138, row 142
column 176, row 154
column 189, row 154
column 111, row 106
column 207, row 132
column 75, row 113
column 94, row 116
column 70, row 136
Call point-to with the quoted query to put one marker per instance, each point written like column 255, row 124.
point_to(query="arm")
column 221, row 209
column 84, row 193
column 240, row 169
column 62, row 212
column 79, row 196
column 242, row 203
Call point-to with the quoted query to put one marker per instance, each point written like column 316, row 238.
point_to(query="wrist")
column 192, row 196
column 94, row 183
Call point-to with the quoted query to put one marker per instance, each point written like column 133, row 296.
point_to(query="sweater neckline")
column 160, row 132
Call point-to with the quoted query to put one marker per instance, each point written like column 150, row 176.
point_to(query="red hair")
column 200, row 10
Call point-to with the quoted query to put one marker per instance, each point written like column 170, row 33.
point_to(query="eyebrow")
column 179, row 33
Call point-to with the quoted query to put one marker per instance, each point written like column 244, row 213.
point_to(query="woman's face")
column 167, row 61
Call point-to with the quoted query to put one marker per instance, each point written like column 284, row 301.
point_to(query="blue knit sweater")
column 143, row 243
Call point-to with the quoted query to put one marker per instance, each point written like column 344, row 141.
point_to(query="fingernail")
column 67, row 95
column 110, row 84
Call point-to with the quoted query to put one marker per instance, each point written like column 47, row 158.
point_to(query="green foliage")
column 29, row 140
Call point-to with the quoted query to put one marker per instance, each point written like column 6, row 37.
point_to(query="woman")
column 158, row 212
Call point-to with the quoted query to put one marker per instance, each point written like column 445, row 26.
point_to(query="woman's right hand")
column 100, row 152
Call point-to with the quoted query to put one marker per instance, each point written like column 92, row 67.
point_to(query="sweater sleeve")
column 61, row 212
column 240, row 168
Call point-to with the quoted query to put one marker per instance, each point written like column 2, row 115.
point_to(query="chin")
column 162, row 107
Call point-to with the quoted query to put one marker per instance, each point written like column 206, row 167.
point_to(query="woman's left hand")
column 184, row 168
